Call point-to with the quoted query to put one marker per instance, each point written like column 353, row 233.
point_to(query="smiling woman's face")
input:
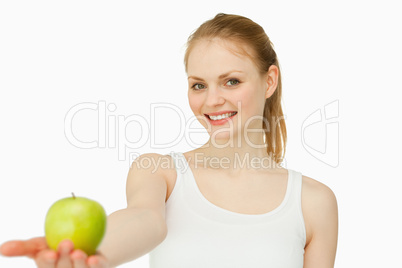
column 222, row 81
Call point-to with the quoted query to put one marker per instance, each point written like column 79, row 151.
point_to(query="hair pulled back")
column 245, row 32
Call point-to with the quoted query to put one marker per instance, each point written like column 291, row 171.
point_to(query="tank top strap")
column 181, row 169
column 179, row 162
column 296, row 186
column 295, row 203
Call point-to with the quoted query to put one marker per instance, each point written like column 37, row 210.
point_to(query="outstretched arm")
column 130, row 233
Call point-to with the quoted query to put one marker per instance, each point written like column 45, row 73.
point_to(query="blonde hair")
column 244, row 31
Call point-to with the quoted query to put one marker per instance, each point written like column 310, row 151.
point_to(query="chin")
column 222, row 137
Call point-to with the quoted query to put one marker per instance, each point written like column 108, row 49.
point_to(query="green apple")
column 79, row 219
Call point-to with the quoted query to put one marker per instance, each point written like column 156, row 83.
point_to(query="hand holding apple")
column 37, row 249
column 79, row 219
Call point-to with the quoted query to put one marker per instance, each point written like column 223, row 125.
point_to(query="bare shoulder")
column 315, row 191
column 319, row 207
column 154, row 163
column 148, row 179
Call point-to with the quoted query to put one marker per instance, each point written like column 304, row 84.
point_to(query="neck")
column 235, row 154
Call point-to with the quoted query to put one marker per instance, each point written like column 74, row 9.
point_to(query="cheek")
column 244, row 101
column 250, row 103
column 194, row 102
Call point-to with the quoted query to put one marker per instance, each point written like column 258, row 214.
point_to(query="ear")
column 271, row 77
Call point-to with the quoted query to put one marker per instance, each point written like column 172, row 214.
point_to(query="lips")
column 220, row 113
column 221, row 121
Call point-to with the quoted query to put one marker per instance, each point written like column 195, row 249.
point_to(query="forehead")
column 217, row 56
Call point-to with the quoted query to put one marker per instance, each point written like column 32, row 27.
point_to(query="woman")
column 227, row 203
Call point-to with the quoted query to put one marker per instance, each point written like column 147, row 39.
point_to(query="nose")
column 214, row 97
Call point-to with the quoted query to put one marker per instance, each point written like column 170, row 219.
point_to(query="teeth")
column 219, row 117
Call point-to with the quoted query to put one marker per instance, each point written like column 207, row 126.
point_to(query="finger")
column 79, row 258
column 27, row 248
column 64, row 249
column 46, row 258
column 97, row 261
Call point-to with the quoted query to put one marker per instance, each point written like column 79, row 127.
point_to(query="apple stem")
column 73, row 195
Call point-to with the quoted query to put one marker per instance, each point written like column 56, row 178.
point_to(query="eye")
column 232, row 82
column 198, row 86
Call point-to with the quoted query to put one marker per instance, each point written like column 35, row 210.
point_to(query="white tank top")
column 203, row 235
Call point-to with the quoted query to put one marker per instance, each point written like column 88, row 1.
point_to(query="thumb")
column 27, row 248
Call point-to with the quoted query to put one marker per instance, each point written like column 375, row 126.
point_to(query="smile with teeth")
column 221, row 116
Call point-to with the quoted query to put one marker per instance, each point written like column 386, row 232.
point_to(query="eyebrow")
column 220, row 77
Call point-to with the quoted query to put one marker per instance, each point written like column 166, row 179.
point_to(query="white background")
column 341, row 54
